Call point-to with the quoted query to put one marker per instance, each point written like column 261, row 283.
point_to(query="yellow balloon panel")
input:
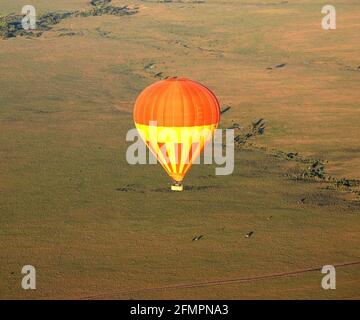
column 176, row 148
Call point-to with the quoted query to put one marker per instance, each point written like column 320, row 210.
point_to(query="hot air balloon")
column 176, row 118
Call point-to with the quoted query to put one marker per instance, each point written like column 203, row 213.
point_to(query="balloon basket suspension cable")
column 177, row 186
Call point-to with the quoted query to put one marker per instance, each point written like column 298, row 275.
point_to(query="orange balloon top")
column 177, row 102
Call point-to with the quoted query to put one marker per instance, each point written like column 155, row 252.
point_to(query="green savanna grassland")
column 94, row 226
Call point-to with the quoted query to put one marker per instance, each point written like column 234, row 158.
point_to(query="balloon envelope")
column 176, row 118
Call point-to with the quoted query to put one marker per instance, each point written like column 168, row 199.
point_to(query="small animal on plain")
column 301, row 201
column 269, row 218
column 248, row 235
column 198, row 238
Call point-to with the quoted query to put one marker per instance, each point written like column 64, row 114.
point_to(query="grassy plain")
column 91, row 224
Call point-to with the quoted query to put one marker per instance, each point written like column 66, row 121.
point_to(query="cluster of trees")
column 11, row 25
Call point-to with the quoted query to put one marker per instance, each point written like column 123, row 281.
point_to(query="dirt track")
column 218, row 282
